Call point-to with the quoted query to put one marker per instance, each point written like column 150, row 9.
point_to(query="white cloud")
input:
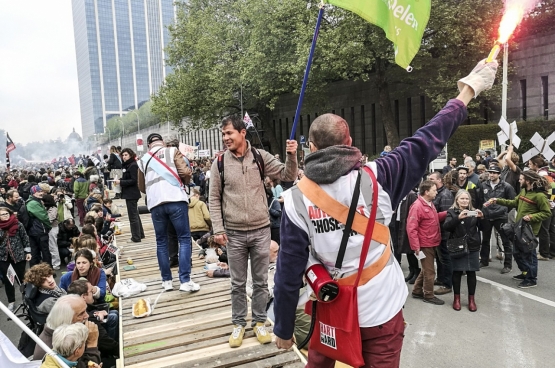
column 39, row 95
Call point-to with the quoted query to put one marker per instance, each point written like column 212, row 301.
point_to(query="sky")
column 39, row 93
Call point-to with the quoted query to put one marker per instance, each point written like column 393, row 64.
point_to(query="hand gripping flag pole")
column 307, row 72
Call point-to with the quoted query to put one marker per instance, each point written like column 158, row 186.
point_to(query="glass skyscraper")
column 120, row 55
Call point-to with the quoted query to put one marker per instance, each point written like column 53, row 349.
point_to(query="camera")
column 61, row 197
column 108, row 235
column 471, row 213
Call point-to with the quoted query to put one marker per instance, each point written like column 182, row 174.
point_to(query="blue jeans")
column 178, row 214
column 112, row 325
column 527, row 262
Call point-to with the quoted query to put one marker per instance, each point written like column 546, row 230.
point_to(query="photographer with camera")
column 67, row 231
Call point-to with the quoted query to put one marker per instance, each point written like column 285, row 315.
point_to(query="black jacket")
column 65, row 235
column 129, row 180
column 459, row 228
column 501, row 190
column 114, row 163
column 403, row 245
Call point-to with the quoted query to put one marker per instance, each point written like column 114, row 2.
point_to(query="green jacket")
column 534, row 204
column 36, row 209
column 81, row 188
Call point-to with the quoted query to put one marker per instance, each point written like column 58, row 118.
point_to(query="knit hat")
column 462, row 167
column 35, row 188
column 153, row 138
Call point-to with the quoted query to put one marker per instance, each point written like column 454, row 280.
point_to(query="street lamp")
column 138, row 121
column 122, row 131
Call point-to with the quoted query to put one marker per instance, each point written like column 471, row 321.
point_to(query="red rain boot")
column 471, row 304
column 457, row 302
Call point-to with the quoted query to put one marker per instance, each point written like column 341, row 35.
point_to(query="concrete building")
column 120, row 56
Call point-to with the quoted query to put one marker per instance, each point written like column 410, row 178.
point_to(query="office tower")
column 120, row 56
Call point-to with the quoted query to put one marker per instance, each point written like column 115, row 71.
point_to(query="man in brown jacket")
column 239, row 212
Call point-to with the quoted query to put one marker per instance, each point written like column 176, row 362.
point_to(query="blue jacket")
column 65, row 280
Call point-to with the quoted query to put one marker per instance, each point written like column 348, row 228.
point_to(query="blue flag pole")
column 306, row 72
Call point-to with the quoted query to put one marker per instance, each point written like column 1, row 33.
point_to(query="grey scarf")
column 327, row 165
column 56, row 293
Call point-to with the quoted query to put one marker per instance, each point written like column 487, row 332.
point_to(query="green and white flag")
column 403, row 21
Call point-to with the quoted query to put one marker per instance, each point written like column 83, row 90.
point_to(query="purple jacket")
column 398, row 172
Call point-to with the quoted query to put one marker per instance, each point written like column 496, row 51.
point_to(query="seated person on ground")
column 42, row 277
column 108, row 322
column 68, row 342
column 85, row 268
column 70, row 309
column 67, row 231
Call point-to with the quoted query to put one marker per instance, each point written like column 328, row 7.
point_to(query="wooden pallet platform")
column 185, row 329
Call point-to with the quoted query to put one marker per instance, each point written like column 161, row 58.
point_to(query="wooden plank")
column 287, row 359
column 188, row 359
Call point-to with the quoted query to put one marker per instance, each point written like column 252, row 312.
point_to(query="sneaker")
column 417, row 296
column 442, row 290
column 506, row 270
column 11, row 307
column 438, row 283
column 236, row 338
column 542, row 258
column 189, row 286
column 433, row 300
column 56, row 267
column 526, row 284
column 261, row 333
column 484, row 264
column 167, row 285
column 519, row 277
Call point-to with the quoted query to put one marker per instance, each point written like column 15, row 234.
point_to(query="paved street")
column 512, row 327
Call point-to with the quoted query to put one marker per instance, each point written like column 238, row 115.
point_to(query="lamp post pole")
column 122, row 131
column 138, row 121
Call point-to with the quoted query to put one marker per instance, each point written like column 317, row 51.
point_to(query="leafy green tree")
column 225, row 52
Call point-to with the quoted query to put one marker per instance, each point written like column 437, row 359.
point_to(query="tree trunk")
column 391, row 131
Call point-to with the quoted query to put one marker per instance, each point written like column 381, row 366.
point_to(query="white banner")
column 204, row 153
column 140, row 143
column 11, row 274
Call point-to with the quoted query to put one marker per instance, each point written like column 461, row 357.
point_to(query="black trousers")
column 64, row 252
column 487, row 229
column 19, row 269
column 137, row 232
column 274, row 234
column 39, row 250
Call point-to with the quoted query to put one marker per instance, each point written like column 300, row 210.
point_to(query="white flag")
column 248, row 121
column 11, row 274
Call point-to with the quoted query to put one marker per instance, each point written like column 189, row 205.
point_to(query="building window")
column 409, row 116
column 545, row 95
column 523, row 98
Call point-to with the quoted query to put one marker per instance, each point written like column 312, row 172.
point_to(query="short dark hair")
column 438, row 174
column 129, row 151
column 10, row 193
column 425, row 186
column 236, row 121
column 78, row 287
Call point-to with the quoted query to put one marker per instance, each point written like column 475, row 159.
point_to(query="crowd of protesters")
column 232, row 206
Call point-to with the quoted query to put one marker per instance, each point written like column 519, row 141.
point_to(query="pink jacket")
column 423, row 227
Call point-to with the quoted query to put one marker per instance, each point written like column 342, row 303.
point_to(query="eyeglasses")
column 4, row 214
column 307, row 144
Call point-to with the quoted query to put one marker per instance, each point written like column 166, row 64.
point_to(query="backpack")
column 257, row 158
column 24, row 217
